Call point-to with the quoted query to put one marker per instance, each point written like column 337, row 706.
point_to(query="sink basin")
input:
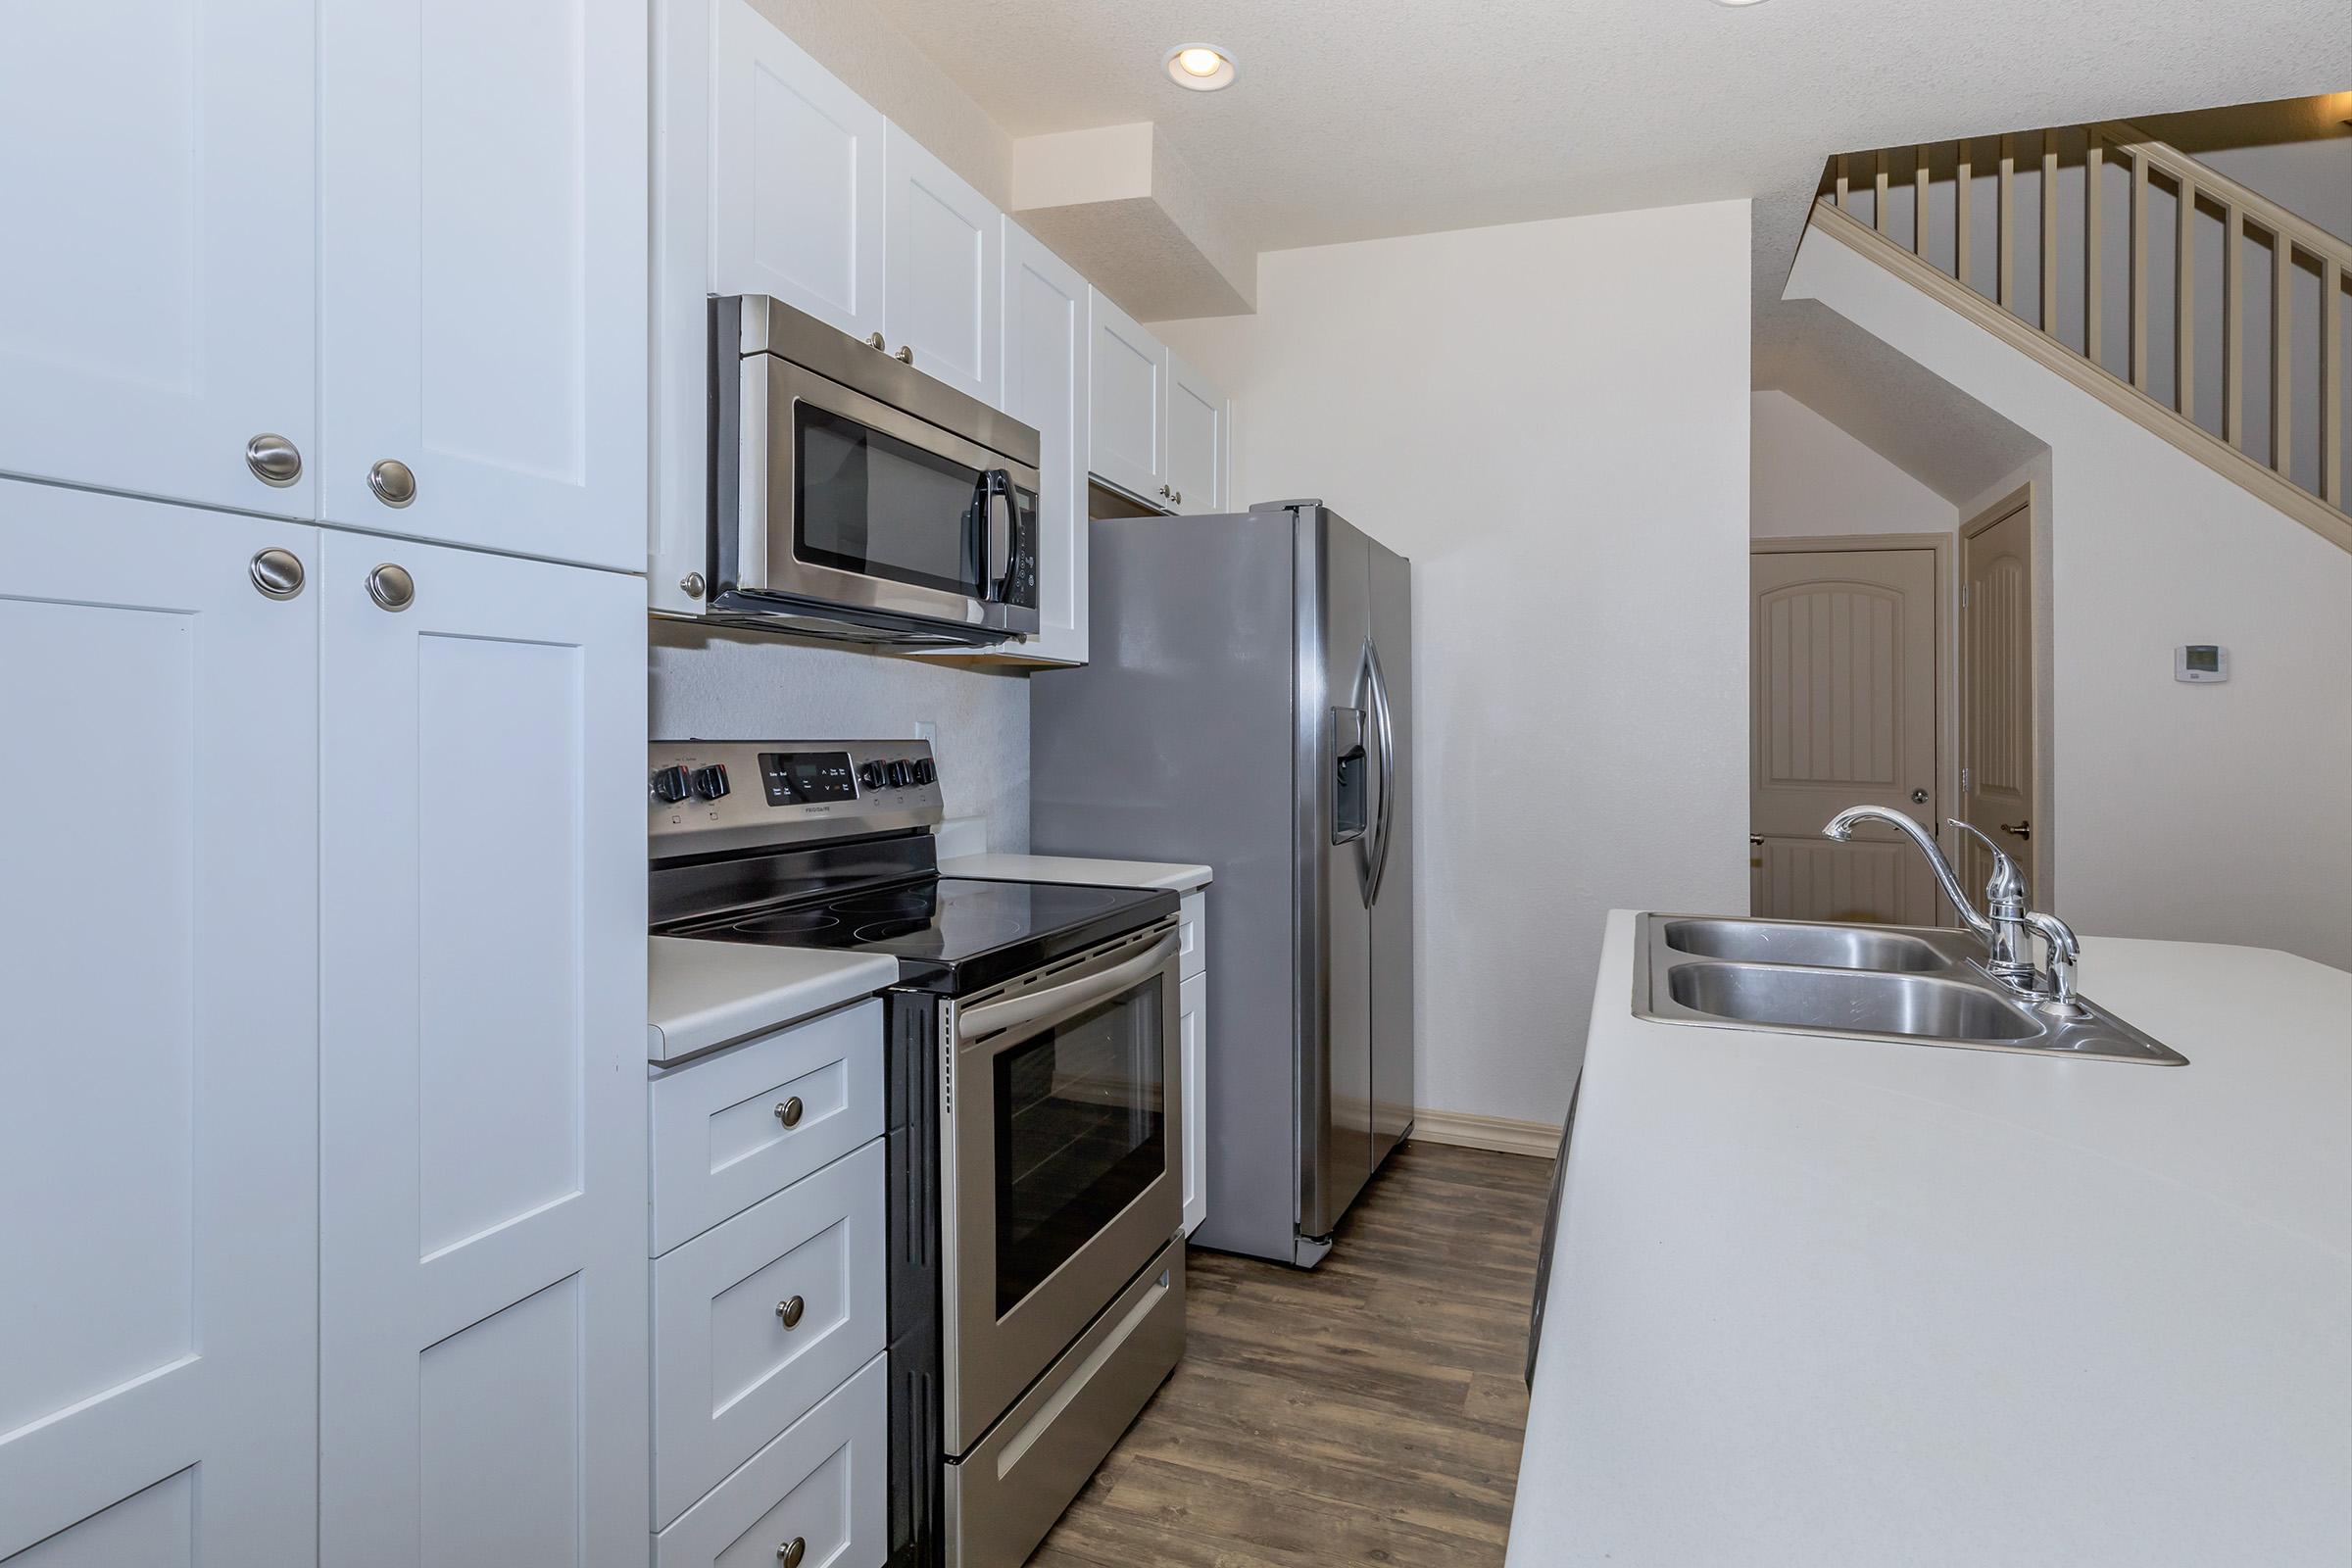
column 1829, row 947
column 1843, row 1001
column 1905, row 985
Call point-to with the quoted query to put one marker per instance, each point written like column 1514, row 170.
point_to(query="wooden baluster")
column 2140, row 267
column 1844, row 161
column 1919, row 201
column 2233, row 326
column 2049, row 234
column 1877, row 211
column 1961, row 200
column 2007, row 219
column 2094, row 154
column 2282, row 314
column 2331, row 381
column 2185, row 299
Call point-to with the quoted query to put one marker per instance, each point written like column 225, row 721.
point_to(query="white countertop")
column 704, row 994
column 1075, row 868
column 1825, row 1302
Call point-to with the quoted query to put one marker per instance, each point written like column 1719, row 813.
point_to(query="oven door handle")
column 1071, row 995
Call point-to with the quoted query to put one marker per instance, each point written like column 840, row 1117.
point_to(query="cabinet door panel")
column 156, row 1093
column 1045, row 386
column 483, row 271
column 1196, row 440
column 482, row 1077
column 1191, row 1026
column 1128, row 381
column 946, row 251
column 157, row 284
column 795, row 176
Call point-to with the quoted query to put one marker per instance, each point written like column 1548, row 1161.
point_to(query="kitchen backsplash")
column 719, row 685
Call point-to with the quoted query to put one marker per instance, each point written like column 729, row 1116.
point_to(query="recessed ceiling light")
column 1201, row 67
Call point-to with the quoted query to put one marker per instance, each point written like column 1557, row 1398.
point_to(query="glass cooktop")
column 950, row 934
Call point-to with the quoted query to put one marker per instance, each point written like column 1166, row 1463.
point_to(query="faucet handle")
column 2007, row 884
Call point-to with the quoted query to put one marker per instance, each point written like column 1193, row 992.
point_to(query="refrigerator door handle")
column 1385, row 820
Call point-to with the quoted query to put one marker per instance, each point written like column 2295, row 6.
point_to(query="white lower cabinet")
column 482, row 1087
column 1192, row 1034
column 329, row 1079
column 157, row 1091
column 815, row 1497
column 769, row 1299
column 761, row 1317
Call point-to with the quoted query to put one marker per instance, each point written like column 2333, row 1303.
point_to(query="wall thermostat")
column 2199, row 662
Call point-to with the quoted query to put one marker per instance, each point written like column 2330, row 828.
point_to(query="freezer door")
column 1337, row 805
column 1392, row 852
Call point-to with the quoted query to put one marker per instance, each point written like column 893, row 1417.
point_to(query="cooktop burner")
column 950, row 934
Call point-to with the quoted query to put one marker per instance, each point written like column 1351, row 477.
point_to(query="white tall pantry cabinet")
column 323, row 1093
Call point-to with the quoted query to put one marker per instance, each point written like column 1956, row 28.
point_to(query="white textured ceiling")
column 1359, row 119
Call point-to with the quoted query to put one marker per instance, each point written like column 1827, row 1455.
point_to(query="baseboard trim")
column 1501, row 1133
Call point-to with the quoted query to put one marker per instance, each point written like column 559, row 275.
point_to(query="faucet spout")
column 1841, row 828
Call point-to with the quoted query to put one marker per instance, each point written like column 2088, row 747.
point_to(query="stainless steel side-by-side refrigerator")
column 1248, row 706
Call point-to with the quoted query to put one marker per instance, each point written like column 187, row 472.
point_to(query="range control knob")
column 901, row 775
column 924, row 772
column 870, row 774
column 670, row 785
column 711, row 782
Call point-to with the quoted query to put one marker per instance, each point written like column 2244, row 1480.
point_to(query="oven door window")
column 1081, row 1130
column 871, row 504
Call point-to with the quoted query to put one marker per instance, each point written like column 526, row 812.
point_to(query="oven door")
column 845, row 503
column 1064, row 1135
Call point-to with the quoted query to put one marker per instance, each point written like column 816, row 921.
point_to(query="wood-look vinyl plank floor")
column 1368, row 1411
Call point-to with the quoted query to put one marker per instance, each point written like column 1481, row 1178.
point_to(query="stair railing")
column 1905, row 197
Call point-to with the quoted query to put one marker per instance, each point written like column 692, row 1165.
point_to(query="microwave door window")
column 1081, row 1130
column 869, row 503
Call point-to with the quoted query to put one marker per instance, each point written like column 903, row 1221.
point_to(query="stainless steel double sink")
column 1858, row 982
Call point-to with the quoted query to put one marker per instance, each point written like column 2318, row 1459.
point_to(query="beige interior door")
column 1843, row 670
column 1996, row 694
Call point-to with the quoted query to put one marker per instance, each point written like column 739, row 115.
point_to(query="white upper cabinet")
column 1129, row 375
column 482, row 264
column 1045, row 386
column 796, row 172
column 157, row 279
column 158, row 1082
column 946, row 258
column 482, row 1097
column 1196, row 445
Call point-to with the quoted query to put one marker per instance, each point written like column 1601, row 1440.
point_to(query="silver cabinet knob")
column 1165, row 493
column 393, row 481
column 273, row 460
column 873, row 340
column 391, row 587
column 789, row 1555
column 789, row 1113
column 277, row 573
column 1178, row 498
column 906, row 354
column 789, row 1310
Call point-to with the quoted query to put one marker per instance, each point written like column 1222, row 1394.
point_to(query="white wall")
column 2216, row 813
column 1807, row 476
column 1551, row 419
column 723, row 685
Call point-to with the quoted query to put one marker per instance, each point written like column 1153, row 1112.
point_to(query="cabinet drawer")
column 1191, row 936
column 719, row 1142
column 821, row 1484
column 729, row 1373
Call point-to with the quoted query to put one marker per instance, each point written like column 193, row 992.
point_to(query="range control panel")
column 739, row 794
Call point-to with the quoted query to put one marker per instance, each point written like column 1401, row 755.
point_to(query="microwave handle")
column 996, row 487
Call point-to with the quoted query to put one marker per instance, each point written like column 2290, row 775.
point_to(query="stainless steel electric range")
column 1035, row 1123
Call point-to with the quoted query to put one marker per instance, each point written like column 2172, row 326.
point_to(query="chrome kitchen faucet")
column 2006, row 925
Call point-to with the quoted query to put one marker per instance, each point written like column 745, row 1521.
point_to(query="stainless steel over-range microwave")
column 853, row 496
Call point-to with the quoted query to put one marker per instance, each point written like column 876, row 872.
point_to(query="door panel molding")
column 1861, row 603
